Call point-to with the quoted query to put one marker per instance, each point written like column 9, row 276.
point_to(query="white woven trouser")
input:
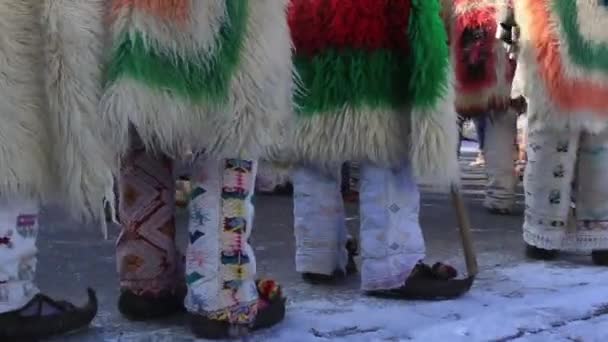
column 391, row 239
column 18, row 232
column 319, row 222
column 558, row 162
column 499, row 152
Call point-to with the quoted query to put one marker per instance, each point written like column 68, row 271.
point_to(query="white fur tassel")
column 74, row 45
column 433, row 142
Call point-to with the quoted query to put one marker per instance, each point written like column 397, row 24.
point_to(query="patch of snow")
column 532, row 302
column 527, row 299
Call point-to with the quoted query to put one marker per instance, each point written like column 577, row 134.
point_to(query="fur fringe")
column 74, row 45
column 361, row 134
column 25, row 145
column 428, row 136
column 433, row 141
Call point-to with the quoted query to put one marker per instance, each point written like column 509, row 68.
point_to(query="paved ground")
column 507, row 286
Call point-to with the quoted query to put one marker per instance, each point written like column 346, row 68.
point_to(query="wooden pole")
column 464, row 227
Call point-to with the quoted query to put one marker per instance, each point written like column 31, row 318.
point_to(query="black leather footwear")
column 31, row 323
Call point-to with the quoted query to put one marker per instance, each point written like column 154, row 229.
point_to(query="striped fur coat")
column 211, row 75
column 563, row 62
column 375, row 85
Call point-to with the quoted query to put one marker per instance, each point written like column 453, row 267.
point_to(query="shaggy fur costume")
column 25, row 143
column 564, row 62
column 211, row 75
column 49, row 148
column 375, row 85
column 484, row 71
column 73, row 40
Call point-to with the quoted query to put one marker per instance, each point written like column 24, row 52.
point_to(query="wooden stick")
column 464, row 227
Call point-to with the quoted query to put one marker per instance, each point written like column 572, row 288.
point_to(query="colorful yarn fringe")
column 203, row 77
column 378, row 54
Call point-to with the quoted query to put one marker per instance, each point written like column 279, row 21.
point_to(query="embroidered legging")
column 219, row 264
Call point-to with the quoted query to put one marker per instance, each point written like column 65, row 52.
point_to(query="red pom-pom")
column 269, row 289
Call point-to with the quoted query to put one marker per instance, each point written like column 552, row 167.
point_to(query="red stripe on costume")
column 317, row 25
column 480, row 53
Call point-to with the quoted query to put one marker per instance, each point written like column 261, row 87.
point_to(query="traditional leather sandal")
column 30, row 323
column 435, row 282
column 600, row 257
column 146, row 307
column 537, row 253
column 271, row 311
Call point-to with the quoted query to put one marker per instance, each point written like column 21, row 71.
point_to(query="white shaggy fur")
column 170, row 37
column 591, row 19
column 258, row 109
column 74, row 41
column 24, row 141
column 433, row 141
column 428, row 138
column 465, row 6
column 542, row 112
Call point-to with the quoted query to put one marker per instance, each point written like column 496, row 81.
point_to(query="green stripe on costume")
column 430, row 53
column 582, row 52
column 200, row 78
column 359, row 78
column 382, row 79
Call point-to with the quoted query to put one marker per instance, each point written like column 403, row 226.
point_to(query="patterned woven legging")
column 219, row 264
column 499, row 152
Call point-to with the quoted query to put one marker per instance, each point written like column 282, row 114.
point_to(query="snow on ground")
column 528, row 302
column 517, row 302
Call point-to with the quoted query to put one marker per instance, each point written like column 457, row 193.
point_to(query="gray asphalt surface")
column 73, row 257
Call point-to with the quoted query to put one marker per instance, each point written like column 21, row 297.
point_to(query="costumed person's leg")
column 392, row 245
column 322, row 255
column 149, row 265
column 24, row 312
column 353, row 182
column 224, row 298
column 480, row 129
column 182, row 172
column 461, row 121
column 499, row 150
column 522, row 157
column 592, row 196
column 547, row 185
column 345, row 178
